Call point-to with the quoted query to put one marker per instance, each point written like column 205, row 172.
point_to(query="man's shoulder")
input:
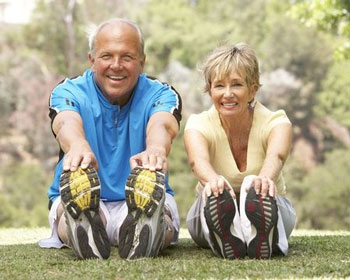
column 152, row 84
column 79, row 82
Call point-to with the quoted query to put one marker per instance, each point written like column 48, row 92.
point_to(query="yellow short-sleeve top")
column 209, row 125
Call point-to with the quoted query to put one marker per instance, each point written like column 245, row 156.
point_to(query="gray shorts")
column 115, row 213
column 199, row 230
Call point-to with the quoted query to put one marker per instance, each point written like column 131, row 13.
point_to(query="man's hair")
column 92, row 33
column 225, row 59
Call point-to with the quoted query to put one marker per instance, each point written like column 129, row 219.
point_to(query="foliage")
column 22, row 198
column 181, row 178
column 334, row 100
column 187, row 30
column 310, row 256
column 25, row 83
column 321, row 196
column 10, row 46
column 329, row 15
column 303, row 52
column 56, row 33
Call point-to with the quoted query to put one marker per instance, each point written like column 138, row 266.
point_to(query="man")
column 112, row 120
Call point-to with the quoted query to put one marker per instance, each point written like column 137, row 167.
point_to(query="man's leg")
column 82, row 227
column 143, row 231
column 117, row 211
column 53, row 241
column 62, row 224
column 172, row 222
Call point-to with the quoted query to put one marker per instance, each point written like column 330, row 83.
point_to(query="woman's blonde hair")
column 223, row 60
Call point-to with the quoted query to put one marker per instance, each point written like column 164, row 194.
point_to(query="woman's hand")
column 265, row 186
column 216, row 186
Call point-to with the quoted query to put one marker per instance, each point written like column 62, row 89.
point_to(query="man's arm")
column 68, row 127
column 161, row 130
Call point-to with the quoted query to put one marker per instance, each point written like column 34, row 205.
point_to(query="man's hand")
column 161, row 130
column 153, row 158
column 79, row 155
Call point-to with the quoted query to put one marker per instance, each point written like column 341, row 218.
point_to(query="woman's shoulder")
column 267, row 119
column 204, row 121
column 264, row 113
column 207, row 115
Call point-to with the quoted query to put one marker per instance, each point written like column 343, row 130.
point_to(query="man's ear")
column 92, row 61
column 143, row 61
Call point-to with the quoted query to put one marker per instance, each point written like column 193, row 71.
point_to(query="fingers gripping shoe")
column 142, row 232
column 262, row 213
column 80, row 195
column 219, row 213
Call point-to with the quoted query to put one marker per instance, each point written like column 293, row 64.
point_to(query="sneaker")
column 142, row 232
column 80, row 195
column 220, row 213
column 262, row 214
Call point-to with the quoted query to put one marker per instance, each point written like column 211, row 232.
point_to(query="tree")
column 186, row 31
column 321, row 197
column 332, row 16
column 22, row 197
column 334, row 100
column 57, row 33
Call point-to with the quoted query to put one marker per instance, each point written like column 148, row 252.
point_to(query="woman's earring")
column 252, row 104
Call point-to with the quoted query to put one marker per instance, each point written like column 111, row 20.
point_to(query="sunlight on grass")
column 313, row 232
column 11, row 236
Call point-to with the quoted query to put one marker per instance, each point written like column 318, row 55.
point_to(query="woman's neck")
column 237, row 124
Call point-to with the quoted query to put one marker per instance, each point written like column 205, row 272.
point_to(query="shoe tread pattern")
column 144, row 190
column 219, row 214
column 262, row 213
column 144, row 193
column 80, row 195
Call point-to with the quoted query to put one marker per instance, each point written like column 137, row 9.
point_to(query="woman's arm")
column 278, row 147
column 198, row 156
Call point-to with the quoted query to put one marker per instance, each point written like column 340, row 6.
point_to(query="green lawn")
column 313, row 254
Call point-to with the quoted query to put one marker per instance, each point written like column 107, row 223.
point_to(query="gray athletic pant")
column 199, row 230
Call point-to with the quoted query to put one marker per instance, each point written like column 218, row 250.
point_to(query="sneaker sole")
column 219, row 213
column 80, row 195
column 262, row 213
column 144, row 195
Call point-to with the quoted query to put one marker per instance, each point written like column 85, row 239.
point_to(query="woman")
column 237, row 150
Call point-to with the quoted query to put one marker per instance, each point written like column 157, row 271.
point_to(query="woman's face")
column 231, row 95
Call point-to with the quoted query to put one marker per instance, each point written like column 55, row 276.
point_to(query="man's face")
column 117, row 61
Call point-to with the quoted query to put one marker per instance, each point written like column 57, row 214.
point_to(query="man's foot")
column 142, row 232
column 262, row 213
column 80, row 195
column 219, row 214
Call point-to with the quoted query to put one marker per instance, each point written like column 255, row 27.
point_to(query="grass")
column 313, row 254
